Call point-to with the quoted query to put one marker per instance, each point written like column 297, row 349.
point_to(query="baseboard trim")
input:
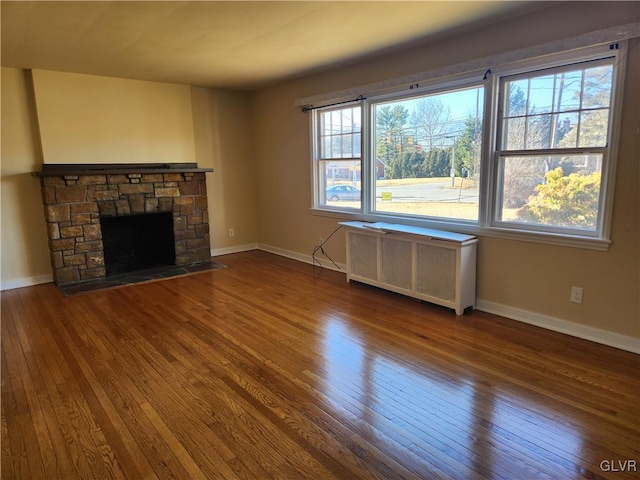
column 25, row 282
column 303, row 258
column 611, row 339
column 237, row 249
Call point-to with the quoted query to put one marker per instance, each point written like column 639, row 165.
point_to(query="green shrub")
column 564, row 201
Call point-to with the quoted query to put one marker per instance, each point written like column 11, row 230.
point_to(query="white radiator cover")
column 431, row 265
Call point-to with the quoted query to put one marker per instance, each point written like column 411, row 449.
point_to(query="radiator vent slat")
column 363, row 253
column 396, row 263
column 436, row 272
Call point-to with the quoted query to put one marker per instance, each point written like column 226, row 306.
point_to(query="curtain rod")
column 308, row 108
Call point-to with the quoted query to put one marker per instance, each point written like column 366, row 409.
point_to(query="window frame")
column 502, row 152
column 463, row 82
column 319, row 191
column 489, row 196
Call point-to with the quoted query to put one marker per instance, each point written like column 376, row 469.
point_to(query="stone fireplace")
column 77, row 197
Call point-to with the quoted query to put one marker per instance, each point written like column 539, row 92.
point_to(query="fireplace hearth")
column 82, row 201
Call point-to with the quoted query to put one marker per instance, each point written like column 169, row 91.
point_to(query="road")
column 429, row 192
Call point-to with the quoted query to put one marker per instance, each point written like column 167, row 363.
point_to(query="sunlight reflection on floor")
column 445, row 424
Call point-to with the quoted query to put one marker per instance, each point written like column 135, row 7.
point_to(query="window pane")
column 538, row 131
column 326, row 148
column 326, row 124
column 577, row 103
column 347, row 120
column 336, row 124
column 514, row 133
column 568, row 88
column 565, row 123
column 347, row 144
column 340, row 131
column 517, row 99
column 551, row 191
column 593, row 128
column 335, row 147
column 427, row 160
column 340, row 183
column 357, row 142
column 541, row 95
column 597, row 87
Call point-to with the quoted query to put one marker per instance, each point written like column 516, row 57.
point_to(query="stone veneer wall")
column 73, row 205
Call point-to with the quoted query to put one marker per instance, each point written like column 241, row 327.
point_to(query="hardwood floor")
column 267, row 369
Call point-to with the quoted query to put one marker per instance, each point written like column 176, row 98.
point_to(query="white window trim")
column 469, row 80
column 485, row 225
column 316, row 157
column 603, row 230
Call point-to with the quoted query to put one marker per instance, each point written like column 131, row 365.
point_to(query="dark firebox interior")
column 137, row 242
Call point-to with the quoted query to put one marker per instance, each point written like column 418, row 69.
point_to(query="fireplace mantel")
column 63, row 169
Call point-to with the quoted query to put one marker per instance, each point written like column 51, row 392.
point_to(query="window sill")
column 571, row 241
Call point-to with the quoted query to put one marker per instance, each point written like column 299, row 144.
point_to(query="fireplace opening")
column 137, row 242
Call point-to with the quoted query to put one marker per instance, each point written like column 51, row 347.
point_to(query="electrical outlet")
column 232, row 232
column 576, row 294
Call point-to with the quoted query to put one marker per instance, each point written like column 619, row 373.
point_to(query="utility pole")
column 452, row 172
column 453, row 165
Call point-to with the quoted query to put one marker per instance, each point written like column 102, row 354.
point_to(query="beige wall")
column 24, row 255
column 222, row 122
column 532, row 277
column 91, row 119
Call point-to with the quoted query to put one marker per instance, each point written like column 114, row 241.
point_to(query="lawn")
column 467, row 183
column 457, row 210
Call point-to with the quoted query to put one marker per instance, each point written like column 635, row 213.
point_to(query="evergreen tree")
column 435, row 163
column 467, row 149
column 390, row 123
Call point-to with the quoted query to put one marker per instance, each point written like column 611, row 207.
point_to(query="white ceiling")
column 232, row 44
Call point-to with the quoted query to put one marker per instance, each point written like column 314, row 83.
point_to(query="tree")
column 564, row 201
column 590, row 90
column 436, row 163
column 594, row 125
column 522, row 174
column 413, row 165
column 467, row 148
column 517, row 100
column 390, row 123
column 430, row 120
column 394, row 168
